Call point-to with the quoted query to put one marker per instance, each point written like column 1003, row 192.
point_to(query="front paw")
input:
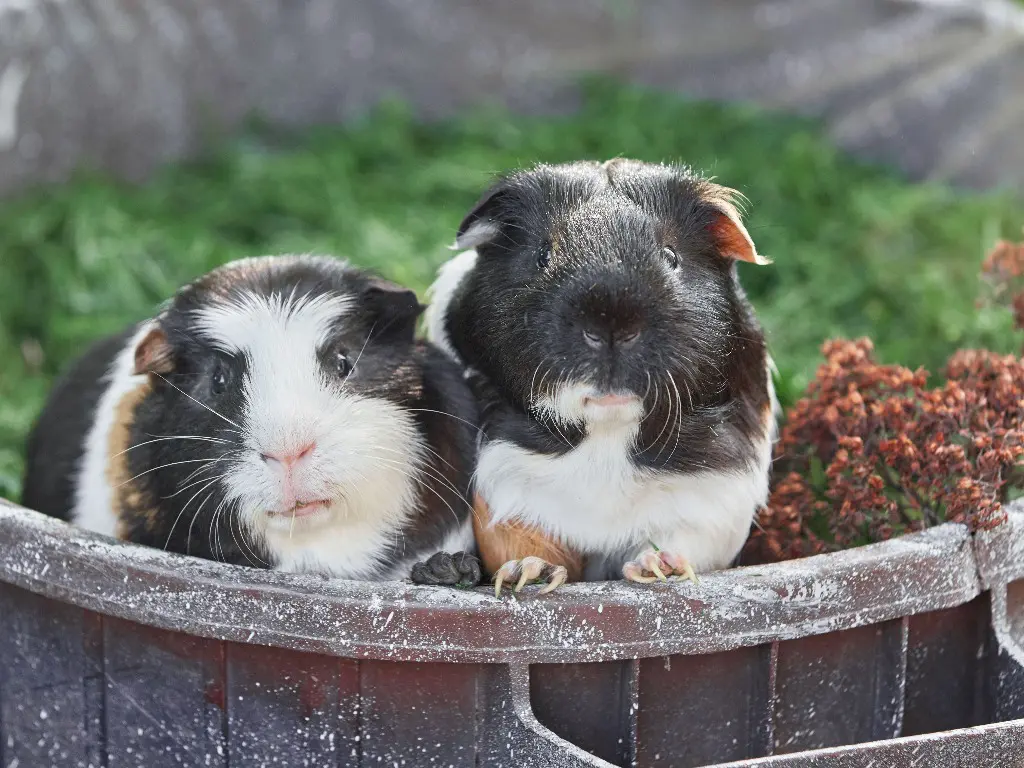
column 655, row 564
column 452, row 570
column 530, row 569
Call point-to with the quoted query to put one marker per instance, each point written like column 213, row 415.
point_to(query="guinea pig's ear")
column 395, row 309
column 481, row 224
column 153, row 354
column 731, row 237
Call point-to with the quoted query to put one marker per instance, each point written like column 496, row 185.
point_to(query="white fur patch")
column 440, row 294
column 246, row 323
column 595, row 500
column 773, row 427
column 94, row 496
column 569, row 405
column 479, row 232
column 367, row 453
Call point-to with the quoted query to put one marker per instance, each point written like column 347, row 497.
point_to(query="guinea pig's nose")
column 288, row 458
column 595, row 339
column 627, row 338
column 623, row 338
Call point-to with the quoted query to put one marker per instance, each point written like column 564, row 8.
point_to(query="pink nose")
column 289, row 458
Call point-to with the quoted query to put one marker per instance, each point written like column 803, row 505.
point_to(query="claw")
column 654, row 561
column 558, row 576
column 507, row 571
column 680, row 565
column 651, row 561
column 532, row 567
column 633, row 571
column 528, row 569
column 690, row 573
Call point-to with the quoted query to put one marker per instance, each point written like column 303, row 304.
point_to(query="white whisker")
column 197, row 474
column 188, row 538
column 679, row 428
column 171, row 437
column 445, row 413
column 399, row 468
column 197, row 402
column 162, row 466
column 174, row 525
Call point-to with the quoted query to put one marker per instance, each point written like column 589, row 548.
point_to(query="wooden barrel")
column 120, row 655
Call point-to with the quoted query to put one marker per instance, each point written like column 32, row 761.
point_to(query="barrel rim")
column 927, row 571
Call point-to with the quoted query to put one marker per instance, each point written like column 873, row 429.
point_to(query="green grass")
column 857, row 250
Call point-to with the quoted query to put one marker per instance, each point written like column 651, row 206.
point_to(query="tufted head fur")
column 610, row 283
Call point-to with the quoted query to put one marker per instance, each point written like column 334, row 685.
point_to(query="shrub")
column 1003, row 274
column 858, row 250
column 871, row 451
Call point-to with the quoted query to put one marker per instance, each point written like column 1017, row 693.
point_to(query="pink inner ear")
column 153, row 354
column 733, row 241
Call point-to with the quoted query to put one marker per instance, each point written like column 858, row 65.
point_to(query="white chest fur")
column 596, row 501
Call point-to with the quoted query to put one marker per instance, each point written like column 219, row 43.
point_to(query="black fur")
column 460, row 569
column 54, row 449
column 579, row 248
column 391, row 364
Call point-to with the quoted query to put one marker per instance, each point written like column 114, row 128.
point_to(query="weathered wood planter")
column 909, row 653
column 118, row 655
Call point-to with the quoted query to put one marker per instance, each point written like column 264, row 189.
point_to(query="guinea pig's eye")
column 671, row 257
column 219, row 380
column 544, row 256
column 342, row 366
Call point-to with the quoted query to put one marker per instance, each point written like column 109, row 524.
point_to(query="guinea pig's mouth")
column 302, row 509
column 608, row 401
column 612, row 407
column 583, row 403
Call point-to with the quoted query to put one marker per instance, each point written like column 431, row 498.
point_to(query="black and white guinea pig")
column 624, row 384
column 277, row 413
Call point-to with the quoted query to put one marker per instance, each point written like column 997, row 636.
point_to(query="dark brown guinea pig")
column 277, row 413
column 624, row 384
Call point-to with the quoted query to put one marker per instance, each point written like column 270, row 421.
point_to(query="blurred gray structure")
column 936, row 88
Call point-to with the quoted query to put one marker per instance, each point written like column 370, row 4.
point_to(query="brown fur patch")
column 730, row 234
column 513, row 541
column 132, row 504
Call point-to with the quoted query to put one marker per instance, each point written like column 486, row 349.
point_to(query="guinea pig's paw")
column 453, row 570
column 530, row 569
column 656, row 564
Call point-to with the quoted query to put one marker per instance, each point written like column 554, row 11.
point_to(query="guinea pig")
column 625, row 392
column 277, row 413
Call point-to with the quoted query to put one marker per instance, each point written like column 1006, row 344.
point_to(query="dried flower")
column 871, row 452
column 1003, row 272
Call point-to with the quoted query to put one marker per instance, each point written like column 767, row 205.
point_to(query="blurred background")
column 879, row 143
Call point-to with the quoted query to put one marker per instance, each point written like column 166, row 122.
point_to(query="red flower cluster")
column 871, row 452
column 1003, row 271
